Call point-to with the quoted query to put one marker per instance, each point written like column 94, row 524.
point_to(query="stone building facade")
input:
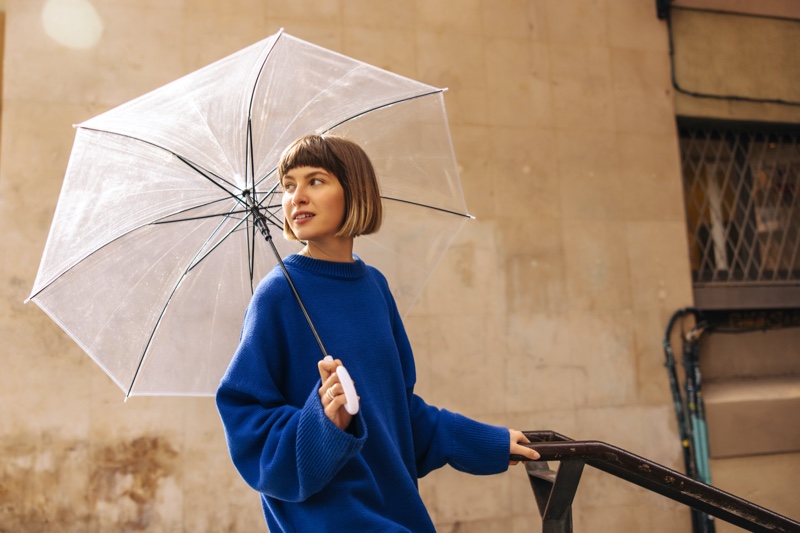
column 548, row 313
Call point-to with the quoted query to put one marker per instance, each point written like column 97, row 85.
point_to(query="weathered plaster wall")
column 752, row 57
column 547, row 314
column 736, row 55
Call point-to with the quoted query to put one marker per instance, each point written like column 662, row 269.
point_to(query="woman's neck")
column 340, row 250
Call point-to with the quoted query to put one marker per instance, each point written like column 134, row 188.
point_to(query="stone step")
column 753, row 416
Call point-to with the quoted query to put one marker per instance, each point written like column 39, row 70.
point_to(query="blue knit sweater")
column 312, row 476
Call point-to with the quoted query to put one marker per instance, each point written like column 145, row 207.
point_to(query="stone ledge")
column 753, row 417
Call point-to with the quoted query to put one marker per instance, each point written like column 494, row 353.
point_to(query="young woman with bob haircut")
column 317, row 467
column 362, row 198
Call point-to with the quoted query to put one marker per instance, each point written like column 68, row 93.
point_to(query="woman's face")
column 313, row 204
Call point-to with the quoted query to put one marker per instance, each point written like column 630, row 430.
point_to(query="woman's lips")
column 302, row 218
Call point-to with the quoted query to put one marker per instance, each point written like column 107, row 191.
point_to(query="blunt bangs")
column 352, row 167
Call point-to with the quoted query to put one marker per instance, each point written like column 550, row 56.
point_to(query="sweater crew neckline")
column 331, row 269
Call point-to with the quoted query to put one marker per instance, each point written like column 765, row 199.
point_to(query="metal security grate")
column 742, row 203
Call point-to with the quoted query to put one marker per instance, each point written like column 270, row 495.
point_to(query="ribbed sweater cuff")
column 477, row 448
column 323, row 448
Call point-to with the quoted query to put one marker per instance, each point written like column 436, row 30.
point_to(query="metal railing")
column 555, row 490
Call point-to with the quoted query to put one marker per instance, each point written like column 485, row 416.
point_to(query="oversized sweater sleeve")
column 443, row 437
column 289, row 452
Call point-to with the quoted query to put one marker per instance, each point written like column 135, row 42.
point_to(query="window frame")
column 745, row 283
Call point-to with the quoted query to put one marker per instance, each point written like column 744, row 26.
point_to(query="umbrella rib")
column 200, row 170
column 260, row 71
column 153, row 333
column 381, row 106
column 199, row 217
column 262, row 208
column 251, row 252
column 197, row 259
column 249, row 157
column 274, row 219
column 370, row 110
column 268, row 207
column 207, row 175
column 426, row 206
column 266, row 177
column 131, row 230
column 249, row 147
column 249, row 161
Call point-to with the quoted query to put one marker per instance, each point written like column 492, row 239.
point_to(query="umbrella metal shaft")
column 260, row 222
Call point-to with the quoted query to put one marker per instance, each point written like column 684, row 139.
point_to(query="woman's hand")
column 518, row 449
column 331, row 394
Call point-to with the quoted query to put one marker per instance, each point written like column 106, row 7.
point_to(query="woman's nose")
column 299, row 197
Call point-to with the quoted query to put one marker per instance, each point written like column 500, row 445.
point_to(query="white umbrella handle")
column 349, row 389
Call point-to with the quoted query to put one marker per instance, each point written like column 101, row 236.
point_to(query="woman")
column 317, row 467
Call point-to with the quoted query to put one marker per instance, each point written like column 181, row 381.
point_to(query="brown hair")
column 350, row 164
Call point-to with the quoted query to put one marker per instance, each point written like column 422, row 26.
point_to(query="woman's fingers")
column 326, row 368
column 334, row 407
column 516, row 447
column 333, row 399
column 327, row 385
column 327, row 373
column 331, row 393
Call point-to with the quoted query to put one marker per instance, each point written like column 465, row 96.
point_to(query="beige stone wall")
column 547, row 314
column 736, row 55
column 752, row 379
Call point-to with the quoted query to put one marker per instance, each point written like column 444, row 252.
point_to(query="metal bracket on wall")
column 662, row 9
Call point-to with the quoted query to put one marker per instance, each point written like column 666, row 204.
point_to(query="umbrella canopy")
column 153, row 253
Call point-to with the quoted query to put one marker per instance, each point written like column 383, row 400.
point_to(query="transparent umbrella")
column 155, row 246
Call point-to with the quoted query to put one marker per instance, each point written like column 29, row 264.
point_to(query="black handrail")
column 554, row 491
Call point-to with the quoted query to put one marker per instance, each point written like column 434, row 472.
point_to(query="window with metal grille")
column 741, row 188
